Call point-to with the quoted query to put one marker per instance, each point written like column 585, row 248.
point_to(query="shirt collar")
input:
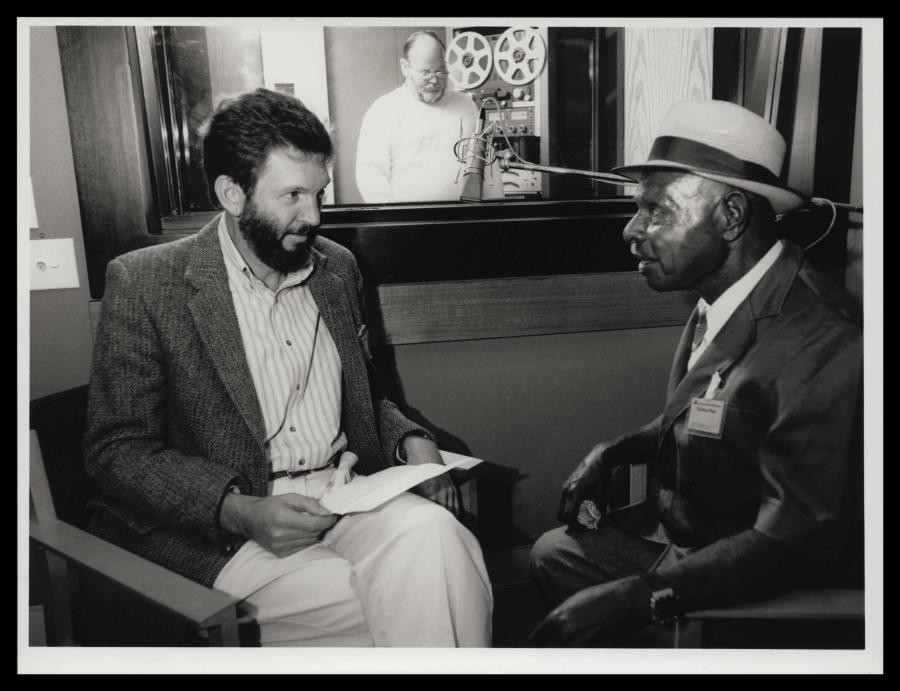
column 240, row 273
column 722, row 308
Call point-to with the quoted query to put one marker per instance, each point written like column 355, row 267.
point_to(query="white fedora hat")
column 725, row 142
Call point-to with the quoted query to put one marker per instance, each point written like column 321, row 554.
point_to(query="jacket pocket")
column 135, row 522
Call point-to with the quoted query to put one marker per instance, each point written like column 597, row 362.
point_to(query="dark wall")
column 531, row 407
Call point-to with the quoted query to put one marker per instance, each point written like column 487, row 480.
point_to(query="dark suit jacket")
column 789, row 458
column 173, row 417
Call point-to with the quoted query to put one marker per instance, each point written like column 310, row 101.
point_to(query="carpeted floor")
column 517, row 604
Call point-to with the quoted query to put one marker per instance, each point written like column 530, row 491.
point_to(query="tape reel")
column 519, row 55
column 469, row 59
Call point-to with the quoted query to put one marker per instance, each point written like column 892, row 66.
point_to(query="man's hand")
column 602, row 615
column 440, row 489
column 282, row 524
column 590, row 480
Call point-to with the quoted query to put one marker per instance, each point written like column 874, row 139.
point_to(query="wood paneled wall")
column 662, row 66
column 114, row 190
column 801, row 158
column 508, row 307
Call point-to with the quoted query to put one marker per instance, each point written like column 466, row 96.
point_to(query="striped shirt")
column 293, row 360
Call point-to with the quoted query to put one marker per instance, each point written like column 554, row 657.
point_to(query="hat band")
column 709, row 159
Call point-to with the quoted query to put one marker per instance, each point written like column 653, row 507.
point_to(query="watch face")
column 664, row 607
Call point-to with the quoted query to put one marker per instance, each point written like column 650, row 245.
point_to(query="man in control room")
column 757, row 453
column 230, row 377
column 406, row 142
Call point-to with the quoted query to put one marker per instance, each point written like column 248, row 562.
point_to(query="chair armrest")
column 797, row 604
column 204, row 607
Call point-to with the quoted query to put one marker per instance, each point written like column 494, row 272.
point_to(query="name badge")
column 706, row 418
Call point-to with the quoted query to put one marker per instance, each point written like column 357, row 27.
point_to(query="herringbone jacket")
column 173, row 417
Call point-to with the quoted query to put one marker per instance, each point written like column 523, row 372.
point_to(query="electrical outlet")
column 53, row 264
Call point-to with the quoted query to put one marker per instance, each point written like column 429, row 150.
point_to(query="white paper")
column 367, row 492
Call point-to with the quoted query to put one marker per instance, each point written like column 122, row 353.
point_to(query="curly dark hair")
column 243, row 130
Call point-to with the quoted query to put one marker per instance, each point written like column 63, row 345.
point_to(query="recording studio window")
column 548, row 98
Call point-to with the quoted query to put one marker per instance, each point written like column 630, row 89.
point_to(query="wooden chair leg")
column 689, row 634
column 60, row 619
column 223, row 631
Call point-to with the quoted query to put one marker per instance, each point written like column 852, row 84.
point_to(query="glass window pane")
column 201, row 66
column 405, row 128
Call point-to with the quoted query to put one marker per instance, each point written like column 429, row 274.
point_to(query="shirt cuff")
column 228, row 542
column 779, row 523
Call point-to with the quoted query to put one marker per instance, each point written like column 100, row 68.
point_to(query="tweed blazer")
column 173, row 415
column 788, row 460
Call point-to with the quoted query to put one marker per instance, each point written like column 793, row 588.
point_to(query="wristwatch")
column 665, row 605
column 401, row 451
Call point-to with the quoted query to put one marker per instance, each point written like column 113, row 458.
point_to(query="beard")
column 265, row 239
column 430, row 97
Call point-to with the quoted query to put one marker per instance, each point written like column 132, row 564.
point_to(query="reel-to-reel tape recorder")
column 501, row 72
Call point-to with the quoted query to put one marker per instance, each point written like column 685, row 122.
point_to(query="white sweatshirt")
column 405, row 149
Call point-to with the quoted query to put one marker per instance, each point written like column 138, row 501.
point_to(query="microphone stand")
column 507, row 164
column 475, row 164
column 613, row 179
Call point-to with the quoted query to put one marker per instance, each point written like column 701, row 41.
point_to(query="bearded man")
column 230, row 378
column 405, row 151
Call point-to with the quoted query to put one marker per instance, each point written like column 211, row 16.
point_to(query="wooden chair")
column 817, row 617
column 210, row 611
column 805, row 618
column 75, row 564
column 78, row 566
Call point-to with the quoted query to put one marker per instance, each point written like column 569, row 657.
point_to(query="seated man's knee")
column 431, row 521
column 545, row 553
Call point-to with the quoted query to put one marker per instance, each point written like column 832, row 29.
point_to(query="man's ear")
column 736, row 211
column 230, row 195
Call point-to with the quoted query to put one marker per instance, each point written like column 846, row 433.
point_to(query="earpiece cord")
column 820, row 200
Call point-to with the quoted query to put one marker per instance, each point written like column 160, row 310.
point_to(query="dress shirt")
column 293, row 360
column 721, row 309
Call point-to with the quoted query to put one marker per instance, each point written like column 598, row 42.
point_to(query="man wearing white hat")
column 757, row 452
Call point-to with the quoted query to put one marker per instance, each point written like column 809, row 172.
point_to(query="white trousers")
column 406, row 574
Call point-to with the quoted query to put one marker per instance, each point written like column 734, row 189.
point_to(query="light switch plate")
column 53, row 264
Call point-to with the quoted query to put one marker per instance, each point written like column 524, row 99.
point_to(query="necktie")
column 699, row 331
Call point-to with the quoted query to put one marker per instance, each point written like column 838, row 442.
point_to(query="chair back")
column 59, row 486
column 40, row 499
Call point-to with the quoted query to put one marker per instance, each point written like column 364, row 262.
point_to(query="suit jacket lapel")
column 732, row 341
column 682, row 353
column 216, row 321
column 730, row 344
column 329, row 293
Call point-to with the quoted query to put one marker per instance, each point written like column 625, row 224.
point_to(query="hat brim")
column 783, row 199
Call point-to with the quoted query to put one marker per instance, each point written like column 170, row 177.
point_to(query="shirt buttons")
column 301, row 462
column 293, row 429
column 289, row 342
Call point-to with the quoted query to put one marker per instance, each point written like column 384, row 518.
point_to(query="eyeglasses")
column 428, row 74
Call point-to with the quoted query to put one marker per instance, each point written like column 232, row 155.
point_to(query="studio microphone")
column 474, row 173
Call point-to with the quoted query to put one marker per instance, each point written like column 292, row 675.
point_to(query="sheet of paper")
column 367, row 492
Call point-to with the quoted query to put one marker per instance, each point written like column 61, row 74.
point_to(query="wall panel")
column 662, row 66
